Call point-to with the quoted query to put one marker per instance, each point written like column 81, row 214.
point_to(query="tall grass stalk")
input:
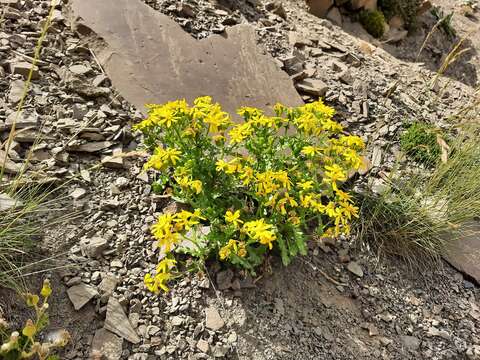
column 22, row 223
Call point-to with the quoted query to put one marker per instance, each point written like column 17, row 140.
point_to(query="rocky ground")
column 336, row 303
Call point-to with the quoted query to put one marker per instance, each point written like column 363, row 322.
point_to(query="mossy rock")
column 373, row 22
column 419, row 142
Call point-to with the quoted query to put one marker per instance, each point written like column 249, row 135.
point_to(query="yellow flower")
column 349, row 210
column 158, row 282
column 218, row 138
column 228, row 249
column 222, row 165
column 30, row 329
column 233, row 218
column 310, row 150
column 248, row 112
column 165, row 265
column 240, row 132
column 343, row 196
column 306, row 185
column 333, row 174
column 196, row 185
column 260, row 231
column 183, row 181
column 32, row 300
column 46, row 289
column 247, row 175
column 186, row 219
column 162, row 158
column 242, row 250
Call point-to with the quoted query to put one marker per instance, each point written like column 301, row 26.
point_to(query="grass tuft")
column 420, row 212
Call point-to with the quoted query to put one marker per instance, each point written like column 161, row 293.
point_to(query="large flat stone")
column 464, row 253
column 151, row 59
column 117, row 322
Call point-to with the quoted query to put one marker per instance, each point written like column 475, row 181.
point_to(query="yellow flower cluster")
column 162, row 276
column 166, row 229
column 162, row 158
column 260, row 231
column 281, row 170
column 233, row 247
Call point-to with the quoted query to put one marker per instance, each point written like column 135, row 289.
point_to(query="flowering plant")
column 25, row 345
column 258, row 184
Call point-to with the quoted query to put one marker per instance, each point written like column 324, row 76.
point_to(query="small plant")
column 420, row 143
column 445, row 21
column 406, row 9
column 259, row 185
column 373, row 22
column 24, row 344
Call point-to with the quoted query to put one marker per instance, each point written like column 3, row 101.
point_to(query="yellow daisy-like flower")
column 233, row 218
column 310, row 150
column 306, row 185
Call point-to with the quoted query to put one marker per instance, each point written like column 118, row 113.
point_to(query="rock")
column 108, row 284
column 99, row 80
column 78, row 193
column 91, row 147
column 177, row 321
column 23, row 68
column 12, row 3
column 94, row 247
column 364, row 4
column 410, row 342
column 473, row 352
column 117, row 322
column 433, row 331
column 319, row 7
column 203, row 346
column 115, row 161
column 23, row 120
column 220, row 351
column 16, row 91
column 81, row 294
column 396, row 22
column 79, row 111
column 182, row 64
column 213, row 320
column 396, row 35
column 8, row 165
column 334, row 16
column 463, row 252
column 224, row 279
column 277, row 8
column 7, row 202
column 377, row 156
column 292, row 64
column 355, row 268
column 107, row 344
column 79, row 69
column 312, row 87
column 424, row 7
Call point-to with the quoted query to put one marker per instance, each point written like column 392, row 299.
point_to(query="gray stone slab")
column 151, row 59
column 464, row 253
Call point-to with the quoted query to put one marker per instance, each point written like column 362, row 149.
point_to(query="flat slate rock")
column 117, row 322
column 81, row 294
column 151, row 59
column 464, row 252
column 107, row 344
